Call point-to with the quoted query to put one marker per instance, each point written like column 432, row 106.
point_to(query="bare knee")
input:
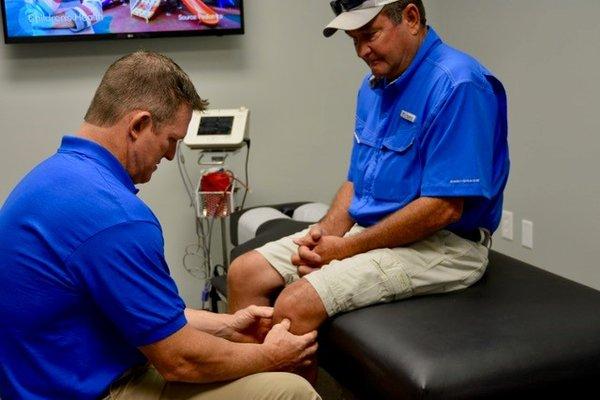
column 253, row 270
column 251, row 280
column 239, row 268
column 300, row 303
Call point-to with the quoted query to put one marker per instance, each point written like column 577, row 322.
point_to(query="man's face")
column 388, row 49
column 155, row 143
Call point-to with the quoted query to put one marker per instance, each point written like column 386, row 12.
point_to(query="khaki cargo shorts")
column 444, row 262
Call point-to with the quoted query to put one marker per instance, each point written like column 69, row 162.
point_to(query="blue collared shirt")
column 439, row 130
column 83, row 279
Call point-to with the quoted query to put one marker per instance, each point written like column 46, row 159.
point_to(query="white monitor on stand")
column 218, row 129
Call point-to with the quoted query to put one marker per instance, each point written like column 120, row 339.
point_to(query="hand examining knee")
column 287, row 351
column 250, row 324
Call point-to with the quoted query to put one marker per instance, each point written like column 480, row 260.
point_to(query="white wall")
column 299, row 86
column 547, row 53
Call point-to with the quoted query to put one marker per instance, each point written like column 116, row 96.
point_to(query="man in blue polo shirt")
column 86, row 299
column 424, row 188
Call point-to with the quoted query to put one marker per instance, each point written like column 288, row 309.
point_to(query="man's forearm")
column 203, row 358
column 337, row 221
column 416, row 221
column 212, row 323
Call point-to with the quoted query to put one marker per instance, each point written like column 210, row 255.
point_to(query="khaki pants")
column 145, row 383
column 441, row 263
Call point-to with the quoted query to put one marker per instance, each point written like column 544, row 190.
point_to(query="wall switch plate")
column 527, row 234
column 507, row 225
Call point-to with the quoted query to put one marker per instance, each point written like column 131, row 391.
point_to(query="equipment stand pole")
column 224, row 243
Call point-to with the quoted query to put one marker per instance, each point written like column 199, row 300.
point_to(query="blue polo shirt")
column 83, row 279
column 439, row 130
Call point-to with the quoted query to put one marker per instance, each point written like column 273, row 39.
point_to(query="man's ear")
column 140, row 121
column 413, row 18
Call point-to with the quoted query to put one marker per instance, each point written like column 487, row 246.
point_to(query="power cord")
column 247, row 185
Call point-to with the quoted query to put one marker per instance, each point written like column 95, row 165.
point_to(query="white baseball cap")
column 353, row 14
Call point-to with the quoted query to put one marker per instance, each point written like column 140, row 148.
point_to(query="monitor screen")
column 59, row 20
column 215, row 126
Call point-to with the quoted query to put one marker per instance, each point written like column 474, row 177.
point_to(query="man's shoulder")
column 72, row 191
column 91, row 181
column 457, row 66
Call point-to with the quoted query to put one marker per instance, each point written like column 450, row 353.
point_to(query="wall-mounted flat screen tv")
column 61, row 20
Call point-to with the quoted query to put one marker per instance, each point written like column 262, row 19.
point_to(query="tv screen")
column 60, row 20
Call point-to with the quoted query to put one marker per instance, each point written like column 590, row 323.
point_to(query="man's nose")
column 362, row 49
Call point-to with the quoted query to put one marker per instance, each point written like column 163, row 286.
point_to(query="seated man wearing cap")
column 424, row 187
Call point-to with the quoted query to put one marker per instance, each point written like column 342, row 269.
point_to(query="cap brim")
column 351, row 20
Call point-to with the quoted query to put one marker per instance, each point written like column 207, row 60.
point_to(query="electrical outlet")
column 507, row 225
column 527, row 234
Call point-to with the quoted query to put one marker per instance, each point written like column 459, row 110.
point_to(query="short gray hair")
column 394, row 10
column 146, row 81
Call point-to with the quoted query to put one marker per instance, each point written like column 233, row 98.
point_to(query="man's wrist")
column 225, row 326
column 353, row 245
column 220, row 325
column 268, row 355
column 229, row 329
column 330, row 229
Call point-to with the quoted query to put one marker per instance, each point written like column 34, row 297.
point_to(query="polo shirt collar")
column 90, row 149
column 431, row 40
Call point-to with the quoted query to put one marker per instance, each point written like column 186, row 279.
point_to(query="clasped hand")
column 316, row 249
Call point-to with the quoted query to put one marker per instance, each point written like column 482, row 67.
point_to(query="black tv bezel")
column 119, row 36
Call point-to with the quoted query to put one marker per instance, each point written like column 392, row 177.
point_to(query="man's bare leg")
column 300, row 303
column 251, row 280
